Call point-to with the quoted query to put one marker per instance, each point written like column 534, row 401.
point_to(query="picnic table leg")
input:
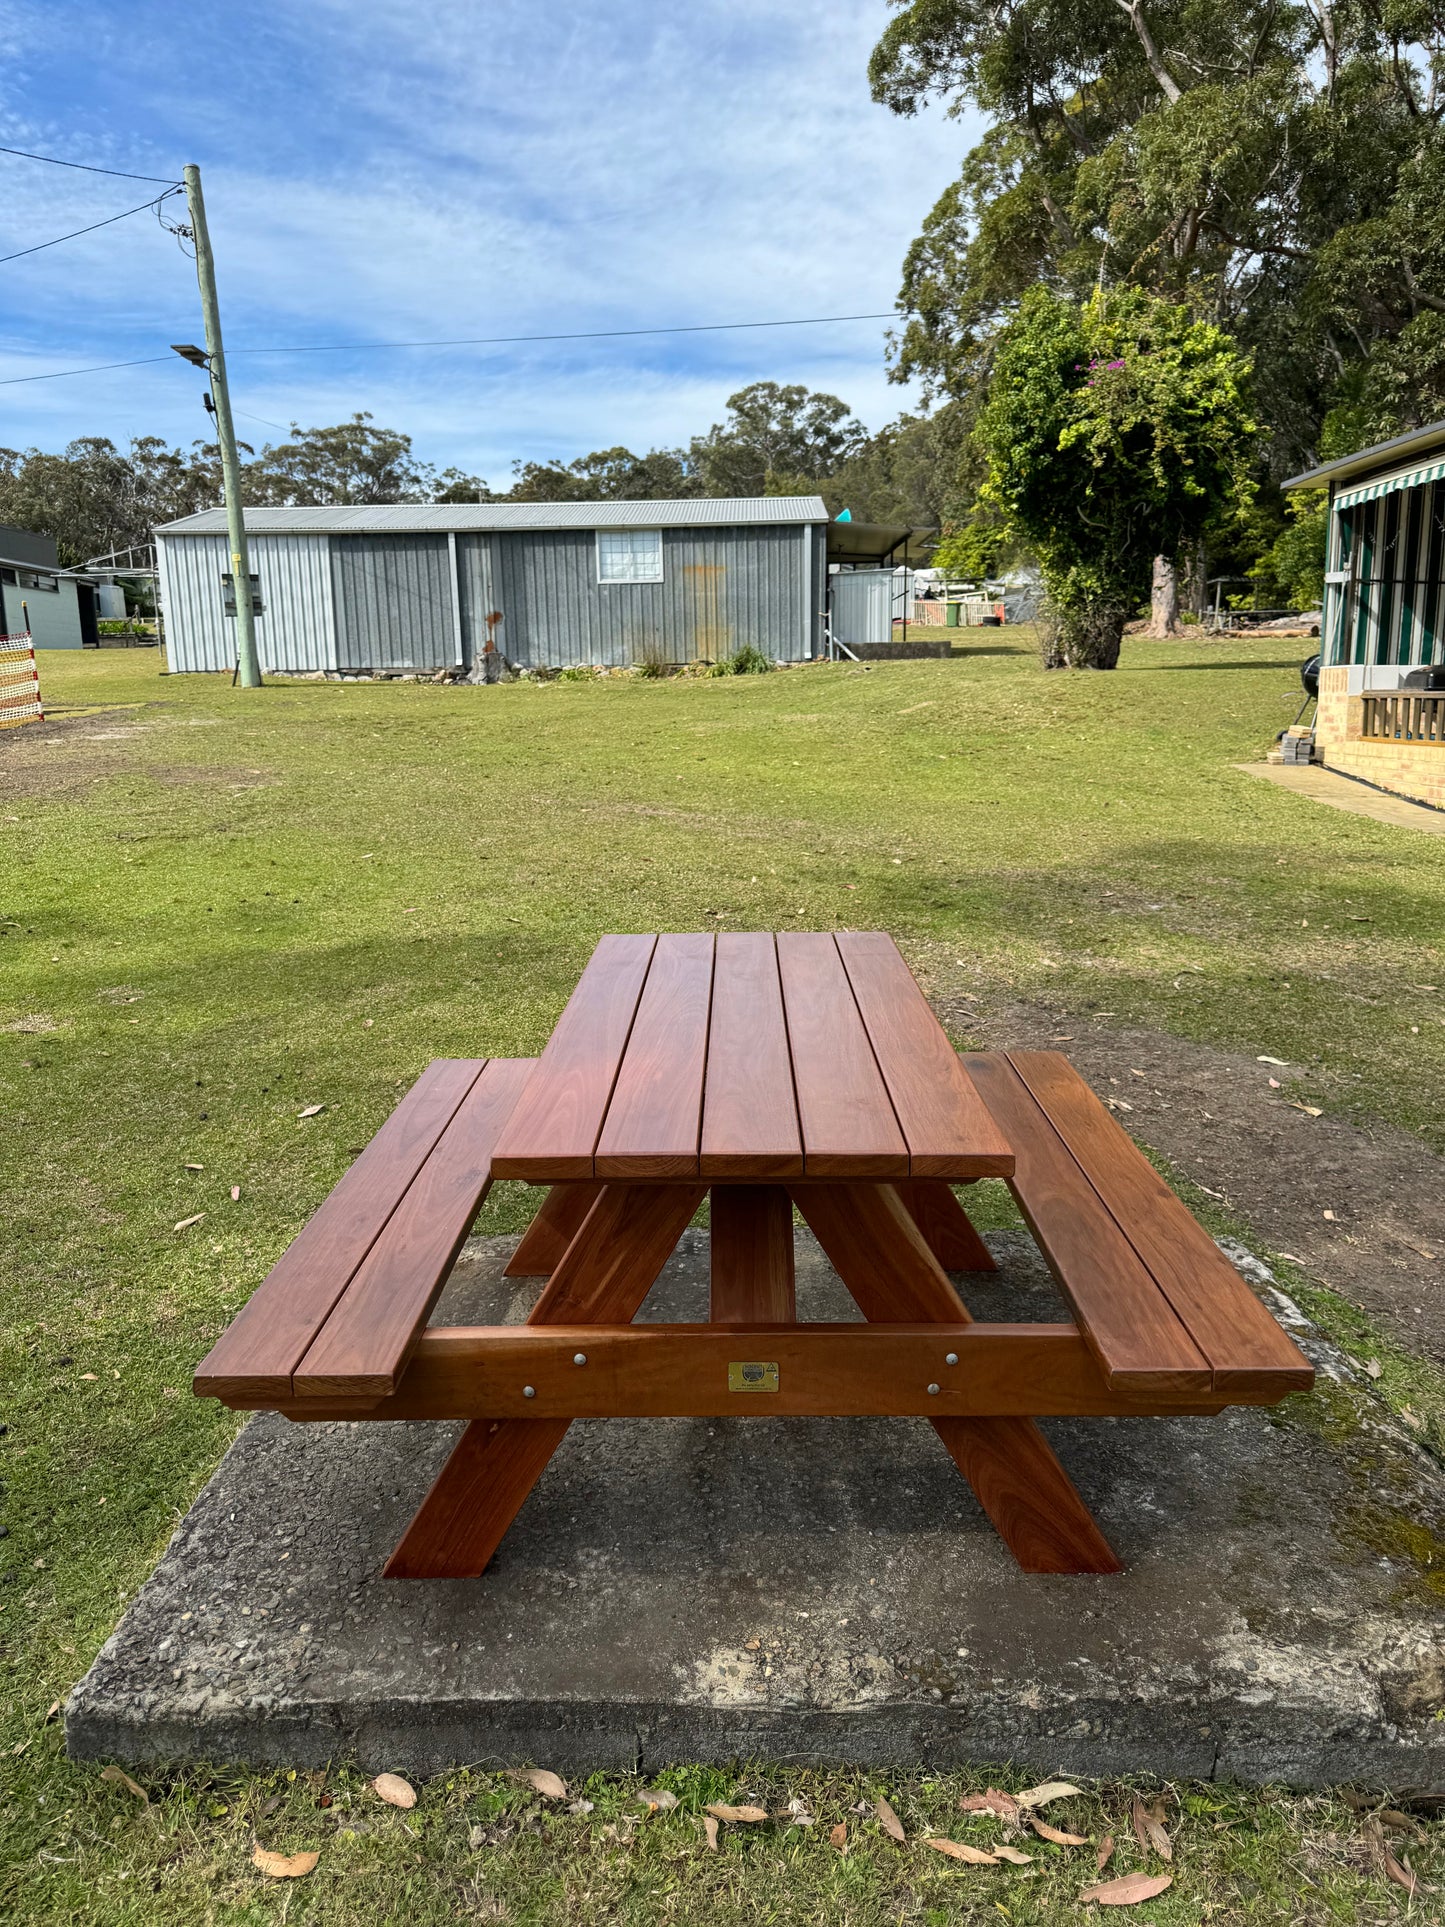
column 607, row 1271
column 752, row 1255
column 559, row 1218
column 947, row 1228
column 883, row 1258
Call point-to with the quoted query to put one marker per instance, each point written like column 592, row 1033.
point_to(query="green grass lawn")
column 220, row 908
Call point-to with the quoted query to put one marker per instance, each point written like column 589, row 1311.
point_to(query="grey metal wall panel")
column 393, row 597
column 295, row 633
column 721, row 589
column 862, row 605
column 478, row 595
column 54, row 614
column 711, row 511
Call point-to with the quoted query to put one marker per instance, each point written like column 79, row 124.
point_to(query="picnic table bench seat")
column 340, row 1312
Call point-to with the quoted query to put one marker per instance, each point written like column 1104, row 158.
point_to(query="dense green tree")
column 353, row 463
column 608, row 475
column 94, row 499
column 1279, row 164
column 778, row 440
column 1114, row 429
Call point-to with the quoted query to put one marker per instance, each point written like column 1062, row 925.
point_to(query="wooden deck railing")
column 1403, row 718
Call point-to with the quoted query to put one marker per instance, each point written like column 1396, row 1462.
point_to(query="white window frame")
column 630, row 536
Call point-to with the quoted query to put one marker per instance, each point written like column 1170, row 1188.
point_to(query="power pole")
column 250, row 665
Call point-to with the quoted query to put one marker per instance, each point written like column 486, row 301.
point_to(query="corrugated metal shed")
column 455, row 518
column 411, row 588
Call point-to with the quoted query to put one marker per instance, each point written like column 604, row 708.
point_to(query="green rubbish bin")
column 952, row 614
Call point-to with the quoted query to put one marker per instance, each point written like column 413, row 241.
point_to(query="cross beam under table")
column 919, row 1354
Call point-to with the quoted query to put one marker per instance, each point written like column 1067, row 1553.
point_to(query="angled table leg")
column 559, row 1218
column 752, row 1255
column 947, row 1228
column 883, row 1258
column 609, row 1268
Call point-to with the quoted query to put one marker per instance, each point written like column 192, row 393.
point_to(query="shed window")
column 629, row 555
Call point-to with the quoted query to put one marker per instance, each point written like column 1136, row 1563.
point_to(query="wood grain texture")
column 261, row 1348
column 1135, row 1332
column 945, row 1124
column 751, row 1242
column 1025, row 1492
column 947, row 1228
column 1027, row 1495
column 559, row 1218
column 847, row 1121
column 750, row 1114
column 373, row 1326
column 553, row 1132
column 607, row 1271
column 681, row 1371
column 1242, row 1342
column 654, row 1120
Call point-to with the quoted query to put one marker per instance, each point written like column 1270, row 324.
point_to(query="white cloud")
column 453, row 170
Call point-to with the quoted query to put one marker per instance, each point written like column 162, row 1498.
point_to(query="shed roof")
column 1379, row 455
column 433, row 518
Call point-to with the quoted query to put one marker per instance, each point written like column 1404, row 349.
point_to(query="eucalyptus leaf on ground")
column 549, row 1785
column 1130, row 1890
column 394, row 1790
column 889, row 1820
column 284, row 1866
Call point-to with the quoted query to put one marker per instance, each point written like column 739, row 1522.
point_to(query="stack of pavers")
column 1295, row 746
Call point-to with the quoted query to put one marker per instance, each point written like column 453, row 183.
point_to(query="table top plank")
column 365, row 1343
column 262, row 1346
column 552, row 1135
column 654, row 1120
column 1230, row 1326
column 849, row 1128
column 750, row 1111
column 1129, row 1324
column 948, row 1130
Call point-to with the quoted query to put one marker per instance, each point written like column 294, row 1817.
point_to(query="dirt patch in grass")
column 1213, row 1115
column 61, row 757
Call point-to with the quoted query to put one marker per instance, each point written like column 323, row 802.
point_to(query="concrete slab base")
column 1350, row 793
column 819, row 1590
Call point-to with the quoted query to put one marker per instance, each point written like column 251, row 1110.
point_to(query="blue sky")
column 377, row 172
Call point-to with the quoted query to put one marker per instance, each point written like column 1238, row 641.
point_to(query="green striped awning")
column 1371, row 491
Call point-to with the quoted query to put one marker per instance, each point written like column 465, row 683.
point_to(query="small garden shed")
column 419, row 587
column 1382, row 631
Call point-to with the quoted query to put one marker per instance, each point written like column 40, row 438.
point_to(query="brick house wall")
column 1415, row 770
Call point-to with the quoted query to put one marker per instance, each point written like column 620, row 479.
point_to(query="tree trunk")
column 1085, row 635
column 1164, row 611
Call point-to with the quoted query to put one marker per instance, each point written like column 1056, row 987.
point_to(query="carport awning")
column 879, row 542
column 1371, row 491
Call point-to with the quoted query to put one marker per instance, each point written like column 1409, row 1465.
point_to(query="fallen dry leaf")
column 1332, row 1218
column 838, row 1837
column 709, row 1827
column 1130, row 1890
column 394, row 1790
column 550, row 1785
column 235, row 1193
column 118, row 1778
column 1310, row 1110
column 54, row 1708
column 1105, row 1853
column 284, row 1866
column 1275, row 1085
column 658, row 1800
column 1056, row 1834
column 892, row 1825
column 86, row 1375
column 956, row 1850
column 1039, row 1796
column 1000, row 1851
column 1002, row 1805
column 186, row 1223
column 1138, row 1819
column 195, row 1167
column 312, row 1110
column 1273, row 1060
column 1402, row 1876
column 747, row 1814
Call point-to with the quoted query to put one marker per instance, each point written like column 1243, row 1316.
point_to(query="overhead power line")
column 109, row 221
column 87, row 167
column 470, row 341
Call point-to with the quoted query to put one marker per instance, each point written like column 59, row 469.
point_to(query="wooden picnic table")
column 804, row 1070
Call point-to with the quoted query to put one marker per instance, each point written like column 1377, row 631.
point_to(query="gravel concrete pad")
column 822, row 1590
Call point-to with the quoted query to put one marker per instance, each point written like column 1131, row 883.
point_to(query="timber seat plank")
column 1130, row 1326
column 365, row 1343
column 261, row 1348
column 1235, row 1332
column 947, row 1129
column 1149, row 1286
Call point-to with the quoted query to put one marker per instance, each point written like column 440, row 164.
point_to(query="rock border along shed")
column 409, row 588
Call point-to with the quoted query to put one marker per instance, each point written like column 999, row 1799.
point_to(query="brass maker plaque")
column 750, row 1377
